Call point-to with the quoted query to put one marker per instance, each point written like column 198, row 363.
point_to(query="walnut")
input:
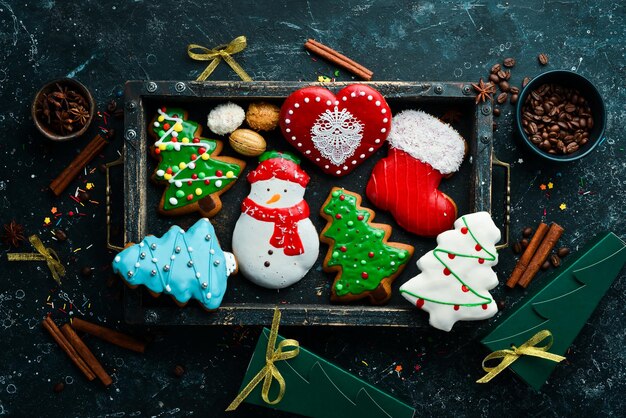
column 262, row 116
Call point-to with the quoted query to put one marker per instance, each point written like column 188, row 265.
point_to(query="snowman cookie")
column 274, row 240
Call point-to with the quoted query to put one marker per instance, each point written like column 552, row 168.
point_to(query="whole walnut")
column 262, row 116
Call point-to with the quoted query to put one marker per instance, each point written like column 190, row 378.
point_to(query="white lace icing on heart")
column 337, row 134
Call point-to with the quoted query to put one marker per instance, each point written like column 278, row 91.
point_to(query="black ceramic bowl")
column 587, row 90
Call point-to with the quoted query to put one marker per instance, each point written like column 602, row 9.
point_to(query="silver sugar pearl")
column 216, row 263
column 177, row 250
column 208, row 237
column 190, row 263
column 205, row 285
column 166, row 267
column 153, row 273
column 153, row 246
column 129, row 274
column 142, row 255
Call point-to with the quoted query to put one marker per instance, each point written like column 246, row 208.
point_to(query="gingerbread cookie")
column 457, row 275
column 422, row 149
column 184, row 265
column 365, row 263
column 190, row 166
column 274, row 240
column 336, row 132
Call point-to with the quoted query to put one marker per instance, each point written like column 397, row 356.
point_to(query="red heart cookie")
column 339, row 132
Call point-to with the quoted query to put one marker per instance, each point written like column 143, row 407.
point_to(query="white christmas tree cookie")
column 274, row 240
column 457, row 275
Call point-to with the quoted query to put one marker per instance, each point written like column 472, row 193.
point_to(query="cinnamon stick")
column 86, row 354
column 523, row 262
column 92, row 149
column 112, row 336
column 548, row 243
column 338, row 59
column 62, row 342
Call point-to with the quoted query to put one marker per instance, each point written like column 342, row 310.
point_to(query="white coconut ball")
column 225, row 118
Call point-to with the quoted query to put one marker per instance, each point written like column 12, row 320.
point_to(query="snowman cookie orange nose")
column 273, row 199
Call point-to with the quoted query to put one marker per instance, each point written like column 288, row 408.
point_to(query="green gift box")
column 561, row 306
column 317, row 388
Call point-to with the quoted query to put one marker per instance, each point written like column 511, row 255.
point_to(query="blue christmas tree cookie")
column 185, row 265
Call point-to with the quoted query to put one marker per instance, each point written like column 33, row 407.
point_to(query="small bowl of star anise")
column 63, row 109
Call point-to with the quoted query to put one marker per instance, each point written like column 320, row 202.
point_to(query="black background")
column 103, row 45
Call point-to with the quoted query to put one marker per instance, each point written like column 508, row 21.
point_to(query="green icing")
column 354, row 241
column 204, row 169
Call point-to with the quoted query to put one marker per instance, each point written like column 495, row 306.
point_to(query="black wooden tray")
column 306, row 302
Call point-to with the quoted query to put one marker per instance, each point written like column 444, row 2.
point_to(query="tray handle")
column 107, row 166
column 507, row 205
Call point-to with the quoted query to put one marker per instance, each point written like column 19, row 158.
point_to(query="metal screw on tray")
column 130, row 134
column 180, row 87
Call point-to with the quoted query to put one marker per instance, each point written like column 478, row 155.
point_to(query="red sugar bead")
column 207, row 181
column 194, row 176
column 338, row 216
column 364, row 275
column 189, row 196
column 371, row 254
column 446, row 271
column 360, row 217
column 343, row 249
column 481, row 260
column 485, row 307
column 166, row 126
column 419, row 303
column 464, row 289
column 456, row 307
column 196, row 140
column 219, row 173
column 342, row 197
column 478, row 247
column 464, row 230
column 201, row 150
column 451, row 256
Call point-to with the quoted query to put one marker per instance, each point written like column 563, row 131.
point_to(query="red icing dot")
column 71, row 213
column 169, row 170
column 157, row 151
column 194, row 176
column 207, row 181
column 371, row 254
column 193, row 157
column 189, row 182
column 189, row 196
column 174, row 139
column 446, row 271
column 485, row 307
column 419, row 303
column 360, row 217
column 219, row 173
column 478, row 247
column 164, row 109
column 201, row 150
column 456, row 307
column 196, row 140
column 343, row 249
column 364, row 275
column 342, row 197
column 451, row 256
column 338, row 216
column 166, row 126
column 464, row 230
column 464, row 288
column 481, row 260
column 175, row 115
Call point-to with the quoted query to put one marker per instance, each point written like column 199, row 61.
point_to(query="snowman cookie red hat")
column 274, row 236
column 422, row 150
column 336, row 132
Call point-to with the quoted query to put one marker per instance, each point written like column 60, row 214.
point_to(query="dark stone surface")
column 103, row 44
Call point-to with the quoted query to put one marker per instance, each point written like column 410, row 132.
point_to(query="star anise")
column 451, row 116
column 13, row 234
column 484, row 91
column 81, row 115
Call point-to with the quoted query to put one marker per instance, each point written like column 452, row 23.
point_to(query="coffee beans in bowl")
column 560, row 116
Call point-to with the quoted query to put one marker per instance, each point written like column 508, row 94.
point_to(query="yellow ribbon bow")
column 269, row 371
column 45, row 254
column 529, row 348
column 216, row 55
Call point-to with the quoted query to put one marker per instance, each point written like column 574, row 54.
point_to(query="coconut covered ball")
column 225, row 118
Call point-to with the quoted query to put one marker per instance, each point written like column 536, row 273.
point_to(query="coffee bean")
column 514, row 98
column 179, row 371
column 517, row 248
column 495, row 68
column 496, row 111
column 507, row 75
column 514, row 90
column 572, row 147
column 502, row 98
column 494, row 78
column 543, row 59
column 509, row 62
column 525, row 81
column 563, row 251
column 555, row 260
column 527, row 232
column 57, row 388
column 524, row 243
column 60, row 235
column 501, row 75
column 504, row 86
column 545, row 265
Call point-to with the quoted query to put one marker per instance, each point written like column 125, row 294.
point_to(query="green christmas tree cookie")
column 365, row 263
column 190, row 166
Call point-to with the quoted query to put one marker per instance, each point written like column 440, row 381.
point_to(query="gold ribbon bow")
column 269, row 371
column 216, row 55
column 529, row 348
column 43, row 254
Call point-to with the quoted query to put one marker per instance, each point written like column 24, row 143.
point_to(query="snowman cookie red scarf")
column 285, row 222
